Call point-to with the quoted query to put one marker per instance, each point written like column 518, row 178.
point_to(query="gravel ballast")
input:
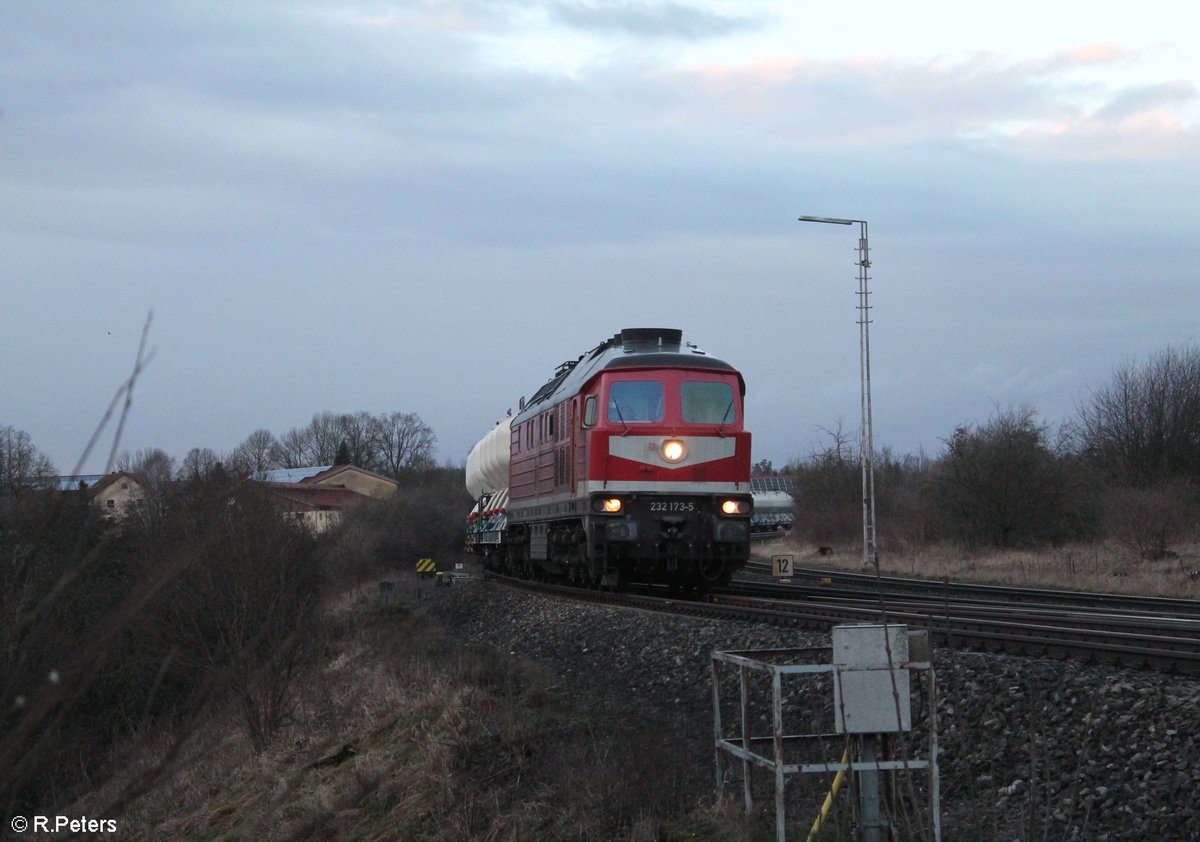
column 1030, row 748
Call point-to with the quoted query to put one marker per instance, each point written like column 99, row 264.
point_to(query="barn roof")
column 311, row 496
column 291, row 474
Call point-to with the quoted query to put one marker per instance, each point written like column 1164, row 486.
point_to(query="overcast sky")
column 426, row 206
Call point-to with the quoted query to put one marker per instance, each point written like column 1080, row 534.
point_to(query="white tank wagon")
column 774, row 511
column 487, row 464
column 487, row 482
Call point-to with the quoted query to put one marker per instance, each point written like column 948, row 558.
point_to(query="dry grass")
column 448, row 743
column 1102, row 567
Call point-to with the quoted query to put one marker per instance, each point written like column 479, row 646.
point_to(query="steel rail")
column 1171, row 606
column 1129, row 649
column 930, row 605
column 1013, row 625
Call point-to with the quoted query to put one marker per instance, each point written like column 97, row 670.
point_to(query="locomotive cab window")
column 634, row 401
column 708, row 403
column 590, row 411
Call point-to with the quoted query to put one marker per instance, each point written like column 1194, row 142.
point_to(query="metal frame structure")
column 749, row 749
column 867, row 434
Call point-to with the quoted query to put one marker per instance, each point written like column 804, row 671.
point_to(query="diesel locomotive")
column 631, row 464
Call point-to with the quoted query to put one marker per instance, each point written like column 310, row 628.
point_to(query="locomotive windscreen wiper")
column 724, row 418
column 617, row 406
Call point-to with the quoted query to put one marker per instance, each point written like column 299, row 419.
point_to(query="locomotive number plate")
column 672, row 506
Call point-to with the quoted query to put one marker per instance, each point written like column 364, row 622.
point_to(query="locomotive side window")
column 589, row 411
column 708, row 403
column 633, row 401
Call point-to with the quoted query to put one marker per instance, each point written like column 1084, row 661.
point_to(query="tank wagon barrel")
column 630, row 464
column 774, row 511
column 487, row 464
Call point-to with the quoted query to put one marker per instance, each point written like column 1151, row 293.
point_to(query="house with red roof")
column 317, row 507
column 317, row 497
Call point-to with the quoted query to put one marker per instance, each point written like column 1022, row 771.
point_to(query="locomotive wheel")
column 710, row 572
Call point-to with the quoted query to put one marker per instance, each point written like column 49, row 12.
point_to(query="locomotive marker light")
column 612, row 505
column 867, row 441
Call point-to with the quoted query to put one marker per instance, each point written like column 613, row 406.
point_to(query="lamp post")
column 867, row 438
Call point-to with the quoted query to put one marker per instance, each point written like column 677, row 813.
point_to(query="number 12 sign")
column 782, row 566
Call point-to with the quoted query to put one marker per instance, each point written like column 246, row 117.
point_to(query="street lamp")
column 867, row 439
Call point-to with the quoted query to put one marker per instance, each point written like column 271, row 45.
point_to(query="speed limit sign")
column 782, row 566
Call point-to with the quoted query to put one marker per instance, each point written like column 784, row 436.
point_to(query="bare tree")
column 1142, row 428
column 389, row 443
column 151, row 464
column 405, row 441
column 22, row 466
column 361, row 440
column 324, row 434
column 198, row 464
column 295, row 448
column 259, row 452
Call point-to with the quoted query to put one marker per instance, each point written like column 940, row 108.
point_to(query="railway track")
column 896, row 585
column 1122, row 635
column 769, row 535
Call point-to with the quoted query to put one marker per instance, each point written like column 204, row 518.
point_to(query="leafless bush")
column 56, row 591
column 108, row 630
column 1146, row 520
column 905, row 516
column 423, row 520
column 1003, row 484
column 243, row 605
column 829, row 496
column 828, row 491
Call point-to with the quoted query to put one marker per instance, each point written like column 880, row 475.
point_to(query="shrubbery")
column 1127, row 468
column 206, row 598
column 424, row 520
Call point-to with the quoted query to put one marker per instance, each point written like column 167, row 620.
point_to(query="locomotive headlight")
column 612, row 505
column 673, row 450
column 733, row 507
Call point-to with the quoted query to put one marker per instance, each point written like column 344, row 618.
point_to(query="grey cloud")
column 1014, row 106
column 652, row 20
column 311, row 207
column 1138, row 100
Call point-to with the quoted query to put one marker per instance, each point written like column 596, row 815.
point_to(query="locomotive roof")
column 631, row 348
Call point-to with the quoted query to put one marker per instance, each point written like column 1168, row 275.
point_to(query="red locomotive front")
column 631, row 464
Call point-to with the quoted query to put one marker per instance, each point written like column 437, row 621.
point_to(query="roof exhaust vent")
column 662, row 338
